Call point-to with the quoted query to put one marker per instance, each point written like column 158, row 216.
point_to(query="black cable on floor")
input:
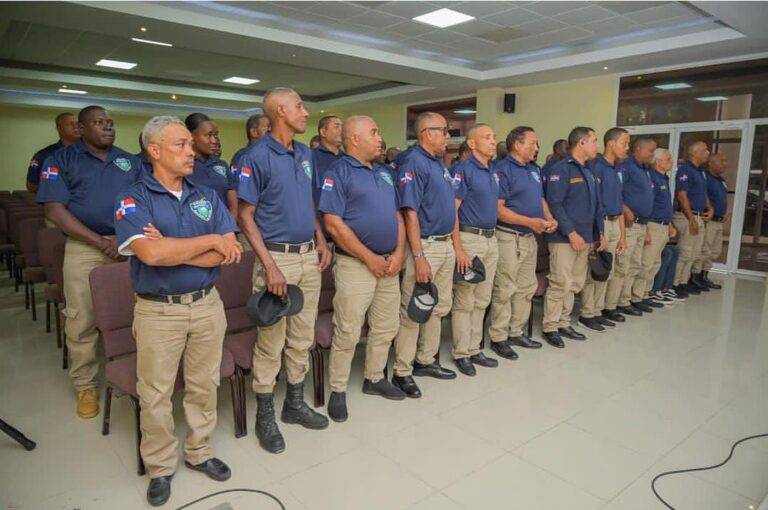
column 680, row 471
column 263, row 493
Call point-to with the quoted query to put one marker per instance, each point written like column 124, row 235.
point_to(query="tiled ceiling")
column 501, row 30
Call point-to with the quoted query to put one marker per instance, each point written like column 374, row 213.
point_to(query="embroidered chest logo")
column 123, row 164
column 307, row 166
column 221, row 170
column 386, row 178
column 202, row 208
column 535, row 175
column 621, row 177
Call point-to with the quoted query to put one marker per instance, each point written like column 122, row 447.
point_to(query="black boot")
column 295, row 410
column 709, row 283
column 266, row 428
column 698, row 282
column 337, row 406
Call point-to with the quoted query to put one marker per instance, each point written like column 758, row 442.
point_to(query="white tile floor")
column 587, row 427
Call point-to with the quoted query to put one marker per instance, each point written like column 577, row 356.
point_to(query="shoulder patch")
column 327, row 184
column 50, row 174
column 683, row 178
column 245, row 174
column 34, row 163
column 536, row 176
column 406, row 178
column 124, row 208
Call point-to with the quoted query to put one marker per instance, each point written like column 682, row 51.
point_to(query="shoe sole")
column 338, row 420
column 582, row 325
column 485, row 366
column 511, row 358
column 440, row 377
column 275, row 451
column 517, row 344
column 208, row 474
column 88, row 416
column 291, row 421
column 388, row 397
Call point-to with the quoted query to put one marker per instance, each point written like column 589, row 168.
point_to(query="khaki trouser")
column 690, row 246
column 514, row 285
column 295, row 333
column 80, row 324
column 470, row 300
column 422, row 341
column 359, row 292
column 625, row 268
column 651, row 261
column 165, row 335
column 713, row 245
column 593, row 295
column 567, row 275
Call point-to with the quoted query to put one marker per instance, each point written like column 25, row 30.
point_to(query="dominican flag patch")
column 235, row 170
column 34, row 163
column 327, row 184
column 457, row 179
column 245, row 174
column 554, row 178
column 406, row 178
column 683, row 178
column 50, row 174
column 125, row 207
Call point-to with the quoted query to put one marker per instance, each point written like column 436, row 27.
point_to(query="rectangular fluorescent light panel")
column 147, row 41
column 73, row 91
column 673, row 86
column 104, row 62
column 241, row 81
column 464, row 112
column 443, row 18
column 712, row 98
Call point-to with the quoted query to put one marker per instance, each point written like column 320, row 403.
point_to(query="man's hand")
column 423, row 271
column 709, row 213
column 463, row 262
column 622, row 246
column 577, row 242
column 395, row 264
column 552, row 226
column 601, row 247
column 693, row 227
column 230, row 249
column 108, row 246
column 629, row 218
column 151, row 232
column 672, row 231
column 647, row 239
column 538, row 225
column 377, row 265
column 325, row 255
column 276, row 283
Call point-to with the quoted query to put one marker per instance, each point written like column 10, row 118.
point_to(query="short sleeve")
column 682, row 180
column 33, row 172
column 410, row 186
column 252, row 181
column 505, row 186
column 460, row 182
column 333, row 199
column 223, row 222
column 132, row 214
column 53, row 187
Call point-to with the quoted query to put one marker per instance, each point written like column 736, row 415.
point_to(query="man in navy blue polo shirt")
column 78, row 186
column 693, row 209
column 278, row 218
column 477, row 189
column 427, row 198
column 607, row 171
column 69, row 133
column 256, row 127
column 717, row 192
column 575, row 203
column 559, row 152
column 178, row 314
column 329, row 150
column 522, row 212
column 360, row 211
column 638, row 203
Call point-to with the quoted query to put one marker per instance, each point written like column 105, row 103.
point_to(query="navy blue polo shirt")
column 426, row 187
column 199, row 212
column 214, row 173
column 477, row 186
column 521, row 189
column 662, row 196
column 609, row 179
column 145, row 162
column 574, row 202
column 365, row 198
column 278, row 181
column 86, row 185
column 717, row 191
column 36, row 164
column 637, row 191
column 692, row 180
column 322, row 159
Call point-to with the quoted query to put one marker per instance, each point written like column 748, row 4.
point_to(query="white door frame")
column 747, row 128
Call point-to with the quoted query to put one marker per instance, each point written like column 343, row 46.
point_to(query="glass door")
column 753, row 253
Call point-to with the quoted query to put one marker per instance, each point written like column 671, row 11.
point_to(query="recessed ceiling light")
column 173, row 96
column 712, row 98
column 147, row 41
column 605, row 68
column 465, row 111
column 442, row 18
column 143, row 29
column 639, row 77
column 72, row 91
column 63, row 86
column 104, row 62
column 673, row 86
column 241, row 81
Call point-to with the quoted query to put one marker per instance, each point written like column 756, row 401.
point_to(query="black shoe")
column 642, row 307
column 614, row 315
column 697, row 282
column 691, row 289
column 465, row 366
column 709, row 283
column 504, row 349
column 524, row 341
column 296, row 411
column 337, row 406
column 605, row 322
column 571, row 333
column 653, row 303
column 266, row 427
column 159, row 490
column 629, row 310
column 213, row 468
column 592, row 323
column 433, row 370
column 553, row 339
column 408, row 385
column 484, row 361
column 680, row 291
column 383, row 388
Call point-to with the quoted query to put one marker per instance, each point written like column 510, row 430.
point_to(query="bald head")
column 482, row 142
column 432, row 132
column 697, row 153
column 361, row 138
column 286, row 111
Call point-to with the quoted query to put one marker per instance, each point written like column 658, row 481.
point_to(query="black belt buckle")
column 178, row 299
column 642, row 221
column 290, row 248
column 485, row 232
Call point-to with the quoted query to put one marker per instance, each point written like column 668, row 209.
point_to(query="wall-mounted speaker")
column 509, row 103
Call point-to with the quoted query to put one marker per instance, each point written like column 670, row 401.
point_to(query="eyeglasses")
column 443, row 130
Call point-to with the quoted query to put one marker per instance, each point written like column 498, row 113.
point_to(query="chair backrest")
column 27, row 245
column 15, row 220
column 3, row 227
column 113, row 302
column 327, row 290
column 50, row 246
column 235, row 287
column 542, row 257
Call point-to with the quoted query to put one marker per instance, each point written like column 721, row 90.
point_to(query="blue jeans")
column 665, row 278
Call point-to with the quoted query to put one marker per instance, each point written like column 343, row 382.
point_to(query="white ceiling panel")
column 656, row 13
column 475, row 27
column 407, row 9
column 514, row 17
column 585, row 15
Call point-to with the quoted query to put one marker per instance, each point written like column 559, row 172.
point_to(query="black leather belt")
column 443, row 237
column 718, row 219
column 614, row 217
column 660, row 222
column 485, row 232
column 178, row 299
column 341, row 251
column 514, row 232
column 641, row 221
column 290, row 248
